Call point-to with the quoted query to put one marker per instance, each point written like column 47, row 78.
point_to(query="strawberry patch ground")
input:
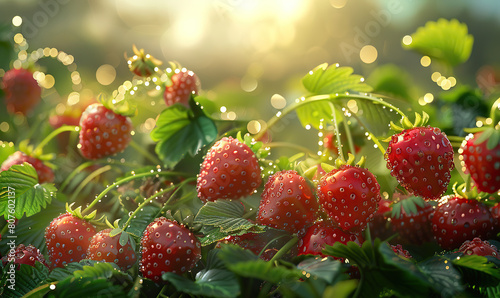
column 151, row 175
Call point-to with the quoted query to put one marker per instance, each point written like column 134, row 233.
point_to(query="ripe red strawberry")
column 414, row 228
column 45, row 174
column 28, row 255
column 230, row 170
column 103, row 132
column 167, row 247
column 481, row 163
column 458, row 219
column 184, row 83
column 421, row 159
column 350, row 196
column 67, row 239
column 479, row 247
column 287, row 202
column 22, row 92
column 105, row 248
column 324, row 233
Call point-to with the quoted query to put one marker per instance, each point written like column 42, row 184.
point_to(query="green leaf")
column 180, row 131
column 31, row 230
column 141, row 220
column 245, row 263
column 208, row 283
column 100, row 270
column 445, row 278
column 58, row 274
column 326, row 79
column 447, row 41
column 20, row 192
column 86, row 287
column 409, row 205
column 324, row 268
column 224, row 217
column 27, row 278
column 477, row 271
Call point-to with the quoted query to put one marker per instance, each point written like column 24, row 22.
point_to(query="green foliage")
column 26, row 279
column 19, row 185
column 180, row 131
column 209, row 283
column 446, row 41
column 327, row 80
column 141, row 220
column 222, row 218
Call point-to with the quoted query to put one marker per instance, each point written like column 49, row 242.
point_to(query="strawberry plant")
column 152, row 193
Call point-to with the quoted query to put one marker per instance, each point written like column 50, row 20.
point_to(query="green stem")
column 321, row 98
column 145, row 153
column 337, row 133
column 128, row 179
column 146, row 201
column 88, row 179
column 284, row 249
column 350, row 142
column 179, row 187
column 456, row 139
column 75, row 172
column 53, row 135
column 289, row 145
column 372, row 137
column 495, row 112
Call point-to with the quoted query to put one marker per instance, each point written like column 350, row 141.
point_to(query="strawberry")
column 324, row 233
column 230, row 170
column 421, row 159
column 22, row 92
column 105, row 248
column 458, row 219
column 167, row 247
column 350, row 196
column 479, row 247
column 103, row 132
column 414, row 228
column 183, row 83
column 481, row 163
column 45, row 174
column 67, row 239
column 142, row 64
column 287, row 202
column 28, row 255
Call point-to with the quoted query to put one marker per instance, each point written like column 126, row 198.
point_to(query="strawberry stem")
column 88, row 179
column 64, row 128
column 128, row 179
column 145, row 153
column 371, row 136
column 283, row 250
column 495, row 112
column 179, row 187
column 337, row 133
column 321, row 98
column 146, row 201
column 350, row 142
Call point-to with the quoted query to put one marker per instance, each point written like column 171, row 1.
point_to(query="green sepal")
column 78, row 212
column 409, row 205
column 122, row 107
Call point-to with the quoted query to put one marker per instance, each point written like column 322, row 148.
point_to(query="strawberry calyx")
column 339, row 162
column 121, row 106
column 78, row 212
column 30, row 150
column 142, row 64
column 408, row 204
column 420, row 120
